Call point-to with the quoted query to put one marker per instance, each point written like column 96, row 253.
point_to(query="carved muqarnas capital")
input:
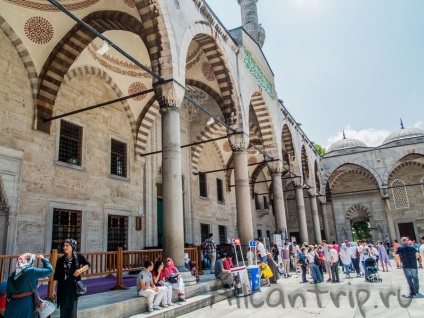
column 169, row 94
column 276, row 167
column 239, row 142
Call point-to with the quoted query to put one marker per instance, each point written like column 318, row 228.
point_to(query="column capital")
column 322, row 199
column 239, row 142
column 169, row 95
column 384, row 191
column 276, row 167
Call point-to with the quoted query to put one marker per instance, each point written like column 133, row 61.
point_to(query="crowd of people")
column 330, row 261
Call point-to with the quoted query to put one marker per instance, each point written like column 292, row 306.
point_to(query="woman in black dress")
column 66, row 273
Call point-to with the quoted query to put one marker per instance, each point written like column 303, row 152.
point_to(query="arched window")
column 291, row 206
column 422, row 185
column 399, row 194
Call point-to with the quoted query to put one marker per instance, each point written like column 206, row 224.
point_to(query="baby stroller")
column 372, row 271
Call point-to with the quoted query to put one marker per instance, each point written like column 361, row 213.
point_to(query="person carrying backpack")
column 303, row 261
column 313, row 259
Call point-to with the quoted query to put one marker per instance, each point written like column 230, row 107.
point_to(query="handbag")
column 38, row 303
column 80, row 287
column 173, row 279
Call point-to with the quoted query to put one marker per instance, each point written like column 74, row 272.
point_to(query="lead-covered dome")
column 346, row 144
column 404, row 133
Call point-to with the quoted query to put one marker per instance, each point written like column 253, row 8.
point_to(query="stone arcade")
column 87, row 175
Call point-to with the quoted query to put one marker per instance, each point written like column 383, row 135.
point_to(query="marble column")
column 315, row 218
column 303, row 227
column 389, row 216
column 325, row 221
column 278, row 197
column 239, row 145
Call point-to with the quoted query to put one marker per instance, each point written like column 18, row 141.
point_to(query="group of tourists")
column 351, row 258
column 18, row 295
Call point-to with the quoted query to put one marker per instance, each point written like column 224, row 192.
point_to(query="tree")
column 321, row 150
column 361, row 231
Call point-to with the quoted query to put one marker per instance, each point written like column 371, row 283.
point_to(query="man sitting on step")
column 222, row 273
column 146, row 287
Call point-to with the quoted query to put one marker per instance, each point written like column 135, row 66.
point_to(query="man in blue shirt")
column 408, row 257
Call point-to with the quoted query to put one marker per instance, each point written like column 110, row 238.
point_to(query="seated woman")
column 146, row 287
column 189, row 265
column 174, row 277
column 159, row 280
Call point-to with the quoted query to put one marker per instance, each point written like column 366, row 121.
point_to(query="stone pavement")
column 351, row 298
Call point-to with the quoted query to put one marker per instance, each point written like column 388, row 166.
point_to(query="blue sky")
column 356, row 65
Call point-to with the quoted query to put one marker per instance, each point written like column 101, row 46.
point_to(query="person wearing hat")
column 22, row 283
column 67, row 272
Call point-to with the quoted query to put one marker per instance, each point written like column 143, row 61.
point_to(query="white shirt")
column 345, row 256
column 353, row 251
column 261, row 249
column 145, row 276
column 333, row 254
column 311, row 257
column 375, row 252
column 422, row 253
column 326, row 254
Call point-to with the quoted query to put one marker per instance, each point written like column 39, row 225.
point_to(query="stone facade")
column 223, row 71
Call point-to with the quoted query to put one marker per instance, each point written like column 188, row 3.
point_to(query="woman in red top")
column 159, row 280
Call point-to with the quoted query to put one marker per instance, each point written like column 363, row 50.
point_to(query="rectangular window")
column 205, row 229
column 203, row 186
column 222, row 234
column 268, row 234
column 118, row 158
column 219, row 190
column 66, row 224
column 117, row 234
column 266, row 204
column 259, row 233
column 70, row 143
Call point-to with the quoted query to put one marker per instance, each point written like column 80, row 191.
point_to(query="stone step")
column 126, row 303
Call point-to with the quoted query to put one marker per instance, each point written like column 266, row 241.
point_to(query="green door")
column 160, row 222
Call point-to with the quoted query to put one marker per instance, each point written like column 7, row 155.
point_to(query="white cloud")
column 369, row 136
column 418, row 124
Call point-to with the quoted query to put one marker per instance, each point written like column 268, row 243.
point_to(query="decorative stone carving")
column 169, row 94
column 239, row 142
column 137, row 87
column 4, row 205
column 276, row 166
column 39, row 30
column 253, row 67
column 208, row 72
column 42, row 5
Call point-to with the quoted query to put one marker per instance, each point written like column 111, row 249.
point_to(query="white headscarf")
column 24, row 261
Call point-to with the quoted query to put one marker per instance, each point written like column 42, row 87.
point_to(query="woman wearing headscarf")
column 22, row 283
column 66, row 274
column 190, row 265
column 384, row 258
column 174, row 277
column 273, row 266
column 346, row 258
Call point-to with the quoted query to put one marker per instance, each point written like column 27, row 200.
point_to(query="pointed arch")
column 305, row 165
column 354, row 170
column 75, row 41
column 317, row 177
column 92, row 70
column 23, row 54
column 265, row 124
column 287, row 141
column 255, row 175
column 350, row 215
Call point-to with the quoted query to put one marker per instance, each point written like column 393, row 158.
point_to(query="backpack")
column 302, row 259
column 316, row 259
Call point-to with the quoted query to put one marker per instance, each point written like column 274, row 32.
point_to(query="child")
column 266, row 271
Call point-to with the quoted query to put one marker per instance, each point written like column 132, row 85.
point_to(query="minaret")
column 249, row 19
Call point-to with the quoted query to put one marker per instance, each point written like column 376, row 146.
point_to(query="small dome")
column 345, row 144
column 404, row 133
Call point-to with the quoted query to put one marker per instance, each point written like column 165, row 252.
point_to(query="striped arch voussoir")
column 265, row 124
column 207, row 133
column 408, row 164
column 356, row 208
column 69, row 48
column 23, row 54
column 222, row 75
column 358, row 172
column 146, row 120
column 255, row 175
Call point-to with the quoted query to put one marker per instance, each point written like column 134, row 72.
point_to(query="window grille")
column 400, row 196
column 259, row 234
column 66, row 224
column 118, row 160
column 117, row 235
column 268, row 234
column 70, row 143
column 291, row 206
column 203, row 186
column 219, row 190
column 222, row 234
column 204, row 231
